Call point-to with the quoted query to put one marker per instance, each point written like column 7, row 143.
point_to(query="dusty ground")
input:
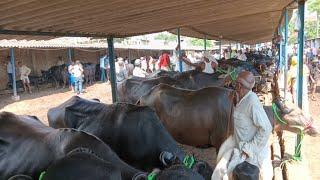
column 38, row 104
column 311, row 145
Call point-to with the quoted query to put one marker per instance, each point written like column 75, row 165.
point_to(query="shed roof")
column 247, row 21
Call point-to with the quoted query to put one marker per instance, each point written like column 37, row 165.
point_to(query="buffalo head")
column 295, row 119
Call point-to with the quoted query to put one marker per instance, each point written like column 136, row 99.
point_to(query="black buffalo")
column 132, row 89
column 29, row 147
column 57, row 75
column 133, row 132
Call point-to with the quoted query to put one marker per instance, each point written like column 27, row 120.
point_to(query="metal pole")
column 14, row 85
column 69, row 55
column 179, row 50
column 129, row 56
column 285, row 52
column 205, row 43
column 112, row 69
column 280, row 48
column 300, row 54
column 317, row 26
column 220, row 49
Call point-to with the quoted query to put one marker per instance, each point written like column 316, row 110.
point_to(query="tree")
column 314, row 6
column 167, row 37
column 311, row 26
column 199, row 42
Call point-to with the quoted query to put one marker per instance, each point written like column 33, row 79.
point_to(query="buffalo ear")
column 20, row 177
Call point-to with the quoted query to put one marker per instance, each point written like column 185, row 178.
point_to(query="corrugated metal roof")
column 239, row 20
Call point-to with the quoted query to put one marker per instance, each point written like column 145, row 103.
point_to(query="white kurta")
column 138, row 72
column 252, row 129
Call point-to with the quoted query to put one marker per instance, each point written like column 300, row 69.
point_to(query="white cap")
column 137, row 62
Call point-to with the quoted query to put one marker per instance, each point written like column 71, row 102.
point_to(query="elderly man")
column 121, row 72
column 251, row 132
column 137, row 71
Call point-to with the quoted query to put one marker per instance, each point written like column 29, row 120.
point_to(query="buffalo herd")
column 137, row 137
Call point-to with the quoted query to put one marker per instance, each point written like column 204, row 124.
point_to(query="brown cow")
column 205, row 116
column 197, row 118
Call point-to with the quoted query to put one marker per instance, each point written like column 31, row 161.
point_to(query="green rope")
column 152, row 176
column 189, row 161
column 297, row 150
column 231, row 72
column 276, row 113
column 42, row 175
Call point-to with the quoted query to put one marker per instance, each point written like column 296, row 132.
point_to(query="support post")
column 205, row 43
column 112, row 69
column 220, row 53
column 285, row 52
column 179, row 50
column 69, row 55
column 300, row 52
column 280, row 49
column 14, row 85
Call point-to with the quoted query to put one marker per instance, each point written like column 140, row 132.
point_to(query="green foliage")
column 310, row 28
column 314, row 6
column 200, row 42
column 292, row 38
column 166, row 37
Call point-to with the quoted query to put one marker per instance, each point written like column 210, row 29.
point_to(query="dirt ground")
column 311, row 145
column 38, row 104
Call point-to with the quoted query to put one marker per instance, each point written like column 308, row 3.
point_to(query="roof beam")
column 55, row 34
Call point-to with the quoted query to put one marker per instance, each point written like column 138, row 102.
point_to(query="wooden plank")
column 276, row 158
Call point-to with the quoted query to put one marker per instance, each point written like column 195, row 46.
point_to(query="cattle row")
column 135, row 138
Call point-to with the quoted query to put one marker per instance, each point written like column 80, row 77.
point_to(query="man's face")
column 238, row 86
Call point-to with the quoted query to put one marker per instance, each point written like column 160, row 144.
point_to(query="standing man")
column 102, row 68
column 9, row 70
column 208, row 65
column 164, row 62
column 251, row 130
column 314, row 77
column 78, row 76
column 24, row 73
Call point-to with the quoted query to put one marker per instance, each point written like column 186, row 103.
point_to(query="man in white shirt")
column 24, row 73
column 252, row 129
column 121, row 72
column 78, row 76
column 242, row 56
column 137, row 71
column 269, row 52
column 208, row 65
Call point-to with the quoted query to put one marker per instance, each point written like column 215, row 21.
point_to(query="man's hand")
column 243, row 154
